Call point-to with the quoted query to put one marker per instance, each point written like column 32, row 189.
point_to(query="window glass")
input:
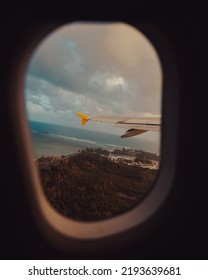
column 88, row 87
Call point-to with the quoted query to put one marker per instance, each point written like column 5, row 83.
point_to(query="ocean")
column 57, row 140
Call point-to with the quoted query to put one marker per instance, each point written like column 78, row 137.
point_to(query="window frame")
column 68, row 233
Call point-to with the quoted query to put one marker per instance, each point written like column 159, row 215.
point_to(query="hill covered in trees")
column 89, row 186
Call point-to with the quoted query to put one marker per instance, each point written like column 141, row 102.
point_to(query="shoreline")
column 49, row 140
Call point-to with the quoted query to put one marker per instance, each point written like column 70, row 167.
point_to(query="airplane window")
column 93, row 102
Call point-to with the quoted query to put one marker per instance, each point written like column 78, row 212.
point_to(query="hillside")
column 89, row 186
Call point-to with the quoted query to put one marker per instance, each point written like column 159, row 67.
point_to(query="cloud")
column 116, row 82
column 108, row 82
column 97, row 69
column 34, row 108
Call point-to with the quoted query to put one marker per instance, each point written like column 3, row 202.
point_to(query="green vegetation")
column 89, row 186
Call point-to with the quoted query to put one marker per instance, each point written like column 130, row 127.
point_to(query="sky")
column 97, row 69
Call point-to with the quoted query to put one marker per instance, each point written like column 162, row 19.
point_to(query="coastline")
column 57, row 140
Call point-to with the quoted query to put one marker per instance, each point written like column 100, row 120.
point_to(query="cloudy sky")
column 102, row 69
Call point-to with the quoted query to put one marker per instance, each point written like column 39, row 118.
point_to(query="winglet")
column 84, row 118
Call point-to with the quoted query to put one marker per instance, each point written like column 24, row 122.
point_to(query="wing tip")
column 84, row 118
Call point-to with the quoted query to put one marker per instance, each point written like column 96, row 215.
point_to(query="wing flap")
column 138, row 126
column 132, row 132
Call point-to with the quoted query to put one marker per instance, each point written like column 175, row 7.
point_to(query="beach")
column 57, row 140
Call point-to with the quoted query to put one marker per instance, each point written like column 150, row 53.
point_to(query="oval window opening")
column 93, row 101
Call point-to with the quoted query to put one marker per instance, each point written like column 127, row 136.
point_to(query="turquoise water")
column 50, row 139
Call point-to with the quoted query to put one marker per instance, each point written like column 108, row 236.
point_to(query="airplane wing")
column 134, row 125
